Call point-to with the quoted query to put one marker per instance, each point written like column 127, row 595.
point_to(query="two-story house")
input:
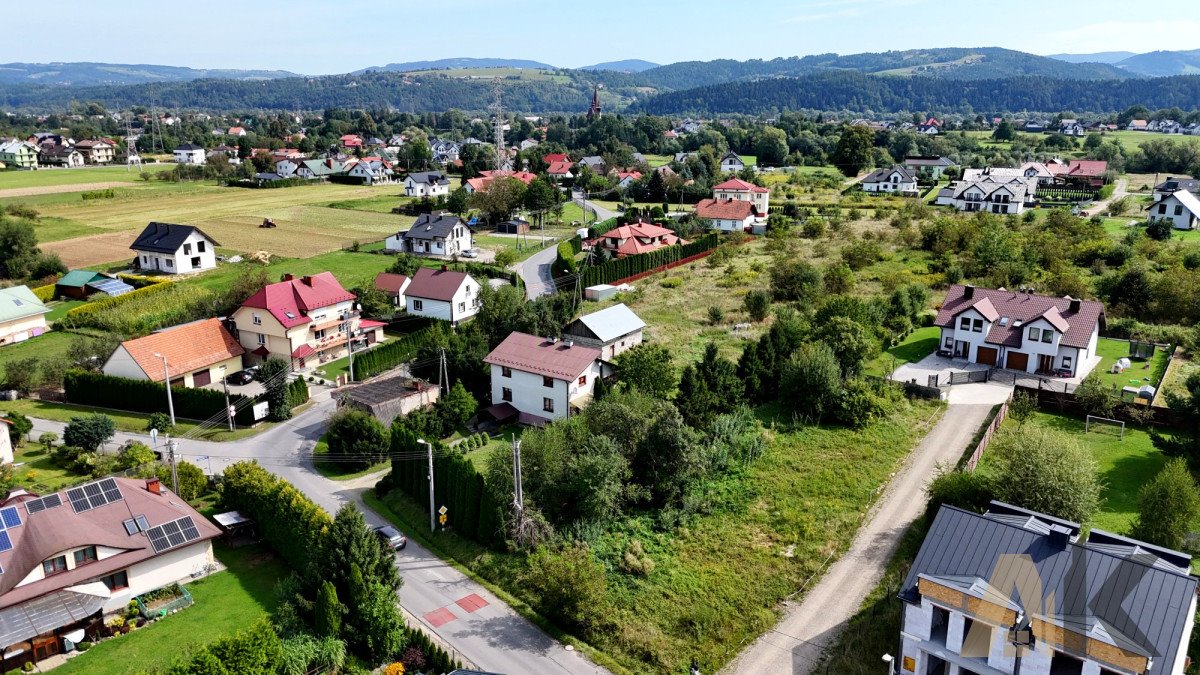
column 98, row 151
column 174, row 249
column 22, row 315
column 728, row 215
column 635, row 238
column 197, row 353
column 1019, row 330
column 991, row 194
column 442, row 294
column 59, row 155
column 426, row 184
column 731, row 163
column 612, row 330
column 1174, row 184
column 933, row 165
column 73, row 556
column 739, row 190
column 190, row 153
column 541, row 379
column 437, row 234
column 894, row 180
column 370, row 170
column 1181, row 208
column 19, row 154
column 1013, row 591
column 306, row 321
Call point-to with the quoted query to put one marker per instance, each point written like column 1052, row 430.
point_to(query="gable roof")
column 1100, row 590
column 612, row 322
column 928, row 160
column 188, row 147
column 1187, row 199
column 561, row 360
column 1087, row 167
column 1022, row 309
column 560, row 168
column 724, row 209
column 731, row 155
column 188, row 347
column 18, row 302
column 438, row 284
column 436, row 225
column 392, row 284
column 1172, row 184
column 739, row 185
column 881, row 175
column 290, row 300
column 429, row 178
column 553, row 157
column 79, row 278
column 166, row 237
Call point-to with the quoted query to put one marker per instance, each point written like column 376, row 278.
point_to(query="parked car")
column 391, row 537
column 471, row 253
column 242, row 376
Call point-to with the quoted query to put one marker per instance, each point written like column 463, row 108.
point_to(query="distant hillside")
column 1099, row 57
column 1161, row 64
column 948, row 63
column 626, row 66
column 84, row 73
column 441, row 64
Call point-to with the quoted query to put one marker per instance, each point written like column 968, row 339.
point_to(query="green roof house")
column 22, row 315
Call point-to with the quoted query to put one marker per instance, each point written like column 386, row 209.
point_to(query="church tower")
column 594, row 109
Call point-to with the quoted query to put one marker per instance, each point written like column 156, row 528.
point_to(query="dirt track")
column 53, row 189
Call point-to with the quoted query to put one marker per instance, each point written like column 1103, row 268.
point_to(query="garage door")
column 202, row 378
column 1018, row 361
column 986, row 356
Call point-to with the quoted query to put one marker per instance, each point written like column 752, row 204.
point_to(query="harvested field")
column 53, row 189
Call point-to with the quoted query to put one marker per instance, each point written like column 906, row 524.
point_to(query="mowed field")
column 93, row 232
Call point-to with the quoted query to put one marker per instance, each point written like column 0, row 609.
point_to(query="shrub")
column 569, row 586
column 161, row 422
column 716, row 315
column 671, row 282
column 1167, row 506
column 635, row 561
column 1047, row 471
column 862, row 253
column 89, row 432
column 289, row 521
column 812, row 381
column 757, row 304
column 356, row 437
column 19, row 426
column 98, row 389
column 143, row 310
column 965, row 489
column 44, row 293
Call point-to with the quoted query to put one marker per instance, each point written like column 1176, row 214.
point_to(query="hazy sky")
column 334, row 36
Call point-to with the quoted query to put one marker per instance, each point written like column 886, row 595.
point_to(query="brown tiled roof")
column 435, row 284
column 724, row 209
column 390, row 283
column 188, row 347
column 1021, row 309
column 533, row 354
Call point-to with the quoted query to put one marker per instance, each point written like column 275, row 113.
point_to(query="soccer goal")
column 1104, row 425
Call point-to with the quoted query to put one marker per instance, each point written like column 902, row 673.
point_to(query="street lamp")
column 429, row 448
column 891, row 664
column 167, row 381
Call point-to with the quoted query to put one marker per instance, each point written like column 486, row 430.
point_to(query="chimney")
column 306, row 280
column 445, row 268
column 968, row 291
column 1060, row 536
column 153, row 486
column 289, row 277
column 1075, row 304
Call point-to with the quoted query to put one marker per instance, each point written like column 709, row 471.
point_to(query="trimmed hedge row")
column 44, row 293
column 290, row 522
column 391, row 354
column 254, row 183
column 141, row 281
column 85, row 312
column 564, row 263
column 622, row 268
column 98, row 389
column 436, row 658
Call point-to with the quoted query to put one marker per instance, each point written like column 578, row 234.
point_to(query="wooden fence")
column 988, row 433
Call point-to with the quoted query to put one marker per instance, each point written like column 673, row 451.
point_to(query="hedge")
column 98, row 389
column 576, row 243
column 298, row 392
column 84, row 312
column 44, row 293
column 290, row 522
column 477, row 269
column 254, row 183
column 436, row 658
column 564, row 263
column 391, row 354
column 141, row 281
column 622, row 268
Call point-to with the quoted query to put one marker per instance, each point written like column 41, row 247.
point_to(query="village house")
column 1172, row 185
column 388, row 398
column 73, row 556
column 6, row 448
column 306, row 321
column 1020, row 331
column 236, row 131
column 174, row 249
column 1069, row 127
column 438, row 233
column 613, row 330
column 190, row 153
column 485, row 178
column 318, row 168
column 894, row 180
column 635, row 238
column 740, row 190
column 443, row 294
column 426, row 184
column 351, row 141
column 560, row 171
column 1012, row 590
column 1137, row 125
column 393, row 285
column 731, row 163
column 593, row 162
column 22, row 315
column 97, row 151
column 626, row 179
column 197, row 354
column 934, row 165
column 1090, row 172
column 1181, row 208
column 728, row 215
column 536, row 380
column 19, row 154
column 992, row 194
column 444, row 152
column 370, row 170
column 59, row 155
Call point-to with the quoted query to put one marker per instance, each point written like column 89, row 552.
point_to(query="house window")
column 1062, row 664
column 547, row 382
column 1035, row 334
column 196, row 262
column 1179, row 210
column 977, row 639
column 949, row 343
column 1066, row 362
column 964, row 324
column 583, row 380
column 418, row 306
column 85, row 555
column 170, row 263
column 978, row 327
column 1047, row 336
column 262, row 339
column 117, row 581
column 55, row 566
column 187, row 249
column 145, row 260
column 320, row 335
column 506, row 394
column 462, row 306
column 548, row 404
column 505, row 371
column 1162, row 208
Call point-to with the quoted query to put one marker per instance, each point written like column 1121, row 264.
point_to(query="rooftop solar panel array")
column 173, row 533
column 93, row 495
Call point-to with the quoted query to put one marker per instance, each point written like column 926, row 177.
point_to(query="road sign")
column 442, row 519
column 443, row 510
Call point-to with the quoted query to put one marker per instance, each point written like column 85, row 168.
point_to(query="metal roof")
column 113, row 287
column 45, row 614
column 611, row 323
column 18, row 302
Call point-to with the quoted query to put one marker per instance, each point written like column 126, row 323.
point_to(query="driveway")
column 601, row 213
column 813, row 624
column 482, row 630
column 1100, row 207
column 537, row 273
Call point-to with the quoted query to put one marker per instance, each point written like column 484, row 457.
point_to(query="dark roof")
column 430, row 284
column 433, row 226
column 166, row 237
column 188, row 146
column 881, row 175
column 1021, row 309
column 1104, row 589
column 1172, row 184
column 429, row 178
column 928, row 160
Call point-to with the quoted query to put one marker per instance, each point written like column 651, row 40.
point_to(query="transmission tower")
column 132, row 158
column 498, row 107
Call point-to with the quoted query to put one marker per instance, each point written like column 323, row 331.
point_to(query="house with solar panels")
column 70, row 557
column 79, row 284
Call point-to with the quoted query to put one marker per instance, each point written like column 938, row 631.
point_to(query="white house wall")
column 180, row 262
column 19, row 330
column 529, row 390
column 1183, row 220
column 173, row 566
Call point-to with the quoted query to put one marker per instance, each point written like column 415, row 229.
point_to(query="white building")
column 542, row 379
column 198, row 354
column 731, row 163
column 6, row 448
column 433, row 234
column 1181, row 208
column 991, row 194
column 22, row 315
column 613, row 330
column 174, row 249
column 1020, row 331
column 426, row 184
column 895, row 180
column 739, row 190
column 442, row 294
column 190, row 153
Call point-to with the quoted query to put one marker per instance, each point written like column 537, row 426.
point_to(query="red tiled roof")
column 189, row 347
column 559, row 168
column 435, row 284
column 739, row 185
column 556, row 157
column 303, row 351
column 1087, row 167
column 368, row 323
column 622, row 175
column 390, row 283
column 533, row 354
column 298, row 297
column 724, row 209
column 1023, row 308
column 649, row 230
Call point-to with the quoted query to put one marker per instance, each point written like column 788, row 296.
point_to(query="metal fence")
column 182, row 601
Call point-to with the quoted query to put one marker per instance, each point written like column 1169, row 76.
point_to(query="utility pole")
column 432, row 511
column 171, row 445
column 228, row 408
column 443, row 374
column 518, row 492
column 167, row 381
column 498, row 130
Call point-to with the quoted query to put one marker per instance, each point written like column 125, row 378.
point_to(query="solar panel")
column 158, row 540
column 47, row 502
column 142, row 524
column 93, row 495
column 172, row 534
column 131, row 527
column 10, row 516
column 190, row 532
column 5, row 542
column 112, row 493
column 79, row 500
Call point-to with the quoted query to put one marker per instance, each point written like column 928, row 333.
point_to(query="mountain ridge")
column 456, row 63
column 1162, row 63
column 624, row 66
column 87, row 73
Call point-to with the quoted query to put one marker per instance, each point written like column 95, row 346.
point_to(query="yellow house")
column 22, row 315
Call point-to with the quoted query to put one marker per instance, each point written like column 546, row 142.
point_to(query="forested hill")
column 845, row 90
column 949, row 63
column 85, row 73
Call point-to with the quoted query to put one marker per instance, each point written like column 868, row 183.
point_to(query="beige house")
column 22, row 315
column 97, row 151
column 197, row 353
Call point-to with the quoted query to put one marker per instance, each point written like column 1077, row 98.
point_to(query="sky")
column 318, row 37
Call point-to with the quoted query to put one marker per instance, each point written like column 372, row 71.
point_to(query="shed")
column 514, row 226
column 74, row 284
column 390, row 398
column 599, row 292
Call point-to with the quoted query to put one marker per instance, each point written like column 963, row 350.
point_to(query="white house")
column 1180, row 207
column 738, row 189
column 896, row 180
column 1002, row 196
column 370, row 169
column 728, row 215
column 442, row 294
column 6, row 448
column 731, row 163
column 394, row 285
column 1019, row 330
column 174, row 249
column 541, row 379
column 198, row 354
column 22, row 315
column 437, row 233
column 426, row 184
column 935, row 165
column 1017, row 591
column 190, row 153
column 612, row 330
column 287, row 168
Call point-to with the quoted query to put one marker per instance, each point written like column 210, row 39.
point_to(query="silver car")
column 391, row 537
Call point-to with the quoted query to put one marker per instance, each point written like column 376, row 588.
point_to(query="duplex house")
column 1181, row 208
column 19, row 154
column 1172, row 185
column 612, row 330
column 635, row 238
column 990, row 194
column 426, row 184
column 22, row 315
column 443, row 294
column 394, row 286
column 190, row 153
column 71, row 557
column 1017, row 591
column 738, row 189
column 174, row 249
column 370, row 169
column 1019, row 330
column 538, row 380
column 59, row 155
column 197, row 353
column 731, row 163
column 305, row 321
column 895, row 180
column 437, row 233
column 98, row 151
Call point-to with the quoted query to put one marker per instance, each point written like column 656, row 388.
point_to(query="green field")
column 49, row 345
column 920, row 343
column 349, row 267
column 45, row 177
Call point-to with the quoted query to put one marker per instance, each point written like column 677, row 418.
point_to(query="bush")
column 1047, row 471
column 967, row 490
column 290, row 522
column 1167, row 507
column 89, row 432
column 569, row 586
column 161, row 422
column 716, row 315
column 757, row 304
column 356, row 437
column 1159, row 230
column 143, row 310
column 98, row 389
column 812, row 382
column 671, row 282
column 44, row 293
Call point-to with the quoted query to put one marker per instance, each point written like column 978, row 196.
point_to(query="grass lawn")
column 60, row 308
column 225, row 602
column 49, row 345
column 341, row 470
column 1176, row 379
column 718, row 579
column 1141, row 372
column 132, row 422
column 46, row 177
column 35, row 471
column 349, row 267
column 524, row 247
column 920, row 343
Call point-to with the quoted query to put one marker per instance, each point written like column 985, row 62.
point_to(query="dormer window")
column 1004, row 321
column 54, row 566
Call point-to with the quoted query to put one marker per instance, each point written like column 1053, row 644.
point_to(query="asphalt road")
column 537, row 273
column 601, row 213
column 795, row 644
column 467, row 618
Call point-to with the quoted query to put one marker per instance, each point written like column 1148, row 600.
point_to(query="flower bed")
column 166, row 600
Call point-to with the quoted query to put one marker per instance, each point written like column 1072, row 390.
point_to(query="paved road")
column 493, row 637
column 795, row 644
column 537, row 272
column 602, row 213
